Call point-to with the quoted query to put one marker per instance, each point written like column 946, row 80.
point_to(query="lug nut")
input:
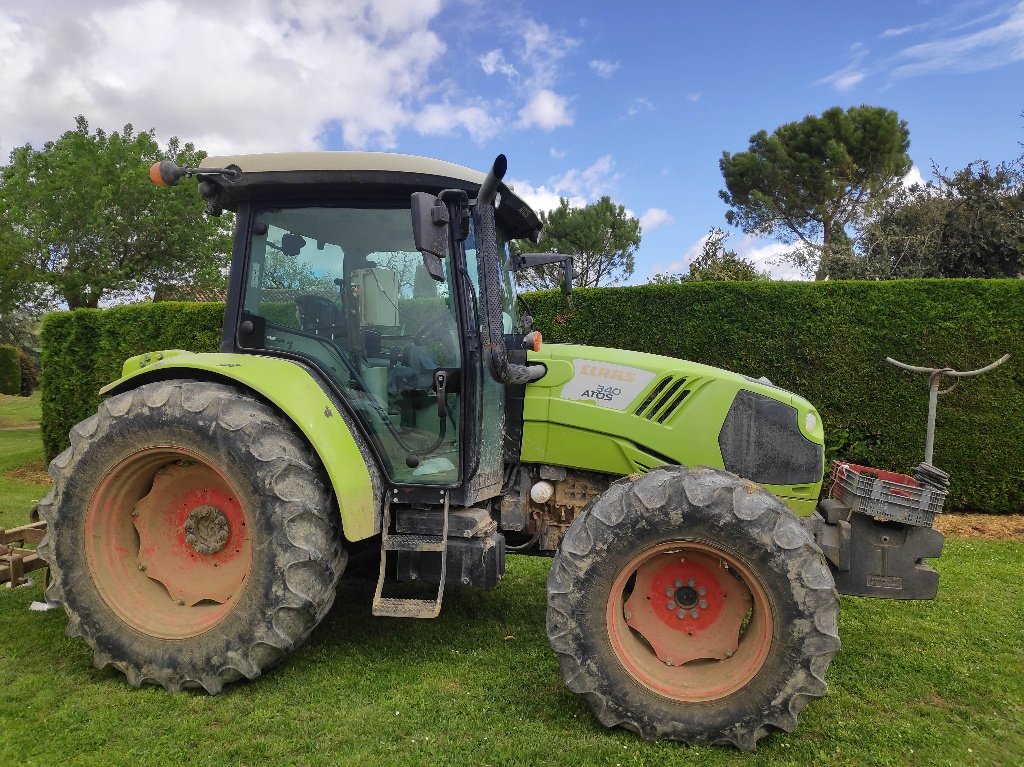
column 678, row 583
column 669, row 592
column 702, row 591
column 670, row 606
column 681, row 614
column 692, row 582
column 695, row 613
column 703, row 604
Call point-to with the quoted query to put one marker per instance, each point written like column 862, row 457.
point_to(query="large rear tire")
column 190, row 535
column 692, row 605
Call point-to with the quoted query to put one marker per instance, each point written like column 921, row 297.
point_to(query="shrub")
column 84, row 350
column 29, row 373
column 10, row 371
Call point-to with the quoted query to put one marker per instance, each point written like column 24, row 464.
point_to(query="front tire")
column 691, row 605
column 190, row 536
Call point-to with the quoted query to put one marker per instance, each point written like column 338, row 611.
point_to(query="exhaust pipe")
column 488, row 265
column 489, row 189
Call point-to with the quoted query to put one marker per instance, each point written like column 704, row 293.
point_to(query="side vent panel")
column 666, row 396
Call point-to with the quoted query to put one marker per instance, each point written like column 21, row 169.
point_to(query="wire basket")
column 886, row 494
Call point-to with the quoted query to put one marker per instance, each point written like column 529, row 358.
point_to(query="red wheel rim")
column 689, row 621
column 168, row 542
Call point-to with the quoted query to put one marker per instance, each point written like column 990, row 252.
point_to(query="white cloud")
column 694, row 97
column 604, row 68
column 913, row 177
column 494, row 61
column 546, row 110
column 543, row 197
column 238, row 75
column 652, row 218
column 900, row 31
column 591, row 182
column 994, row 46
column 847, row 80
column 557, row 154
column 580, row 187
column 543, row 48
column 764, row 254
column 850, row 75
column 638, row 105
column 445, row 119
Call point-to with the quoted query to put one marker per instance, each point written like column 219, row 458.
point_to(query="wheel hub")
column 206, row 529
column 193, row 537
column 687, row 607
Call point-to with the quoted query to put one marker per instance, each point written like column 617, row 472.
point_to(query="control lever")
column 441, row 381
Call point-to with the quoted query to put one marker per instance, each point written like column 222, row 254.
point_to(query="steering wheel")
column 431, row 331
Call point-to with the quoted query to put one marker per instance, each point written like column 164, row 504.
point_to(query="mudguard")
column 296, row 394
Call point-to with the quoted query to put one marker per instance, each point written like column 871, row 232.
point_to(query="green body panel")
column 301, row 399
column 583, row 434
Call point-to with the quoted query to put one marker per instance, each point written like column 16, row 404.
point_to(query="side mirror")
column 292, row 244
column 430, row 232
column 527, row 260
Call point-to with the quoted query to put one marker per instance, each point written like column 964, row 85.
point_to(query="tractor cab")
column 399, row 318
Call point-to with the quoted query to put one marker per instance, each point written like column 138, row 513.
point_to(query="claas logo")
column 609, row 373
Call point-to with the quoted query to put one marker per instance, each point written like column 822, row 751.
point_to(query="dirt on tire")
column 293, row 525
column 712, row 510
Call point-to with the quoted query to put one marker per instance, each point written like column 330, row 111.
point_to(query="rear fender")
column 294, row 392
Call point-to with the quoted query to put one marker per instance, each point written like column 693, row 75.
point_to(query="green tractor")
column 379, row 396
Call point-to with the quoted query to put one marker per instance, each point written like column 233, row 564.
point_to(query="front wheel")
column 190, row 535
column 691, row 605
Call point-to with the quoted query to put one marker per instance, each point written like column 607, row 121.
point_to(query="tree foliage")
column 969, row 223
column 601, row 237
column 809, row 180
column 82, row 219
column 714, row 263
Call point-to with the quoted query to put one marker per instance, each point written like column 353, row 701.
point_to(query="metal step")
column 396, row 607
column 462, row 523
column 406, row 608
column 414, row 543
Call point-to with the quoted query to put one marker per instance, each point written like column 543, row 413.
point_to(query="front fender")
column 296, row 394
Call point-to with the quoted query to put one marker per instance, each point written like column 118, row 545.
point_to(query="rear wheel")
column 191, row 538
column 691, row 605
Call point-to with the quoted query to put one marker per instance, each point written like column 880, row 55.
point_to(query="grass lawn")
column 18, row 411
column 931, row 683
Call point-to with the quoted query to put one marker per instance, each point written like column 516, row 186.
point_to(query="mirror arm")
column 527, row 260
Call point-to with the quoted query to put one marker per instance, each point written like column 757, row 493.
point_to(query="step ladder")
column 398, row 607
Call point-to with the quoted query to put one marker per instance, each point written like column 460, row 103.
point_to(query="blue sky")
column 636, row 101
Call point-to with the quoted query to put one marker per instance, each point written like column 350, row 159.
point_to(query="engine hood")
column 624, row 412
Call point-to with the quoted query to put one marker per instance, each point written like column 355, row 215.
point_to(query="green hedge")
column 29, row 373
column 827, row 341
column 84, row 350
column 10, row 370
